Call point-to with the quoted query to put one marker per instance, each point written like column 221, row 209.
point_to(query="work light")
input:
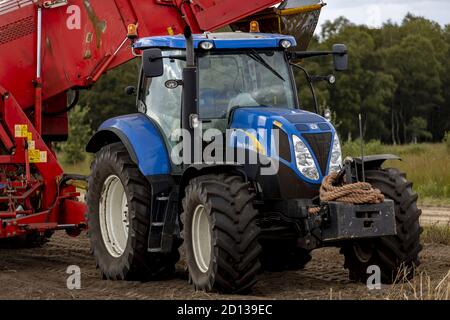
column 206, row 45
column 286, row 44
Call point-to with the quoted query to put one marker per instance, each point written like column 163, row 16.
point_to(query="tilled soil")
column 435, row 215
column 40, row 273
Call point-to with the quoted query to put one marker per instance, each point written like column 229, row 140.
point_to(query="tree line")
column 398, row 79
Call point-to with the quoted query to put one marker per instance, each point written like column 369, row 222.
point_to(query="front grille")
column 302, row 127
column 284, row 148
column 302, row 118
column 324, row 126
column 320, row 144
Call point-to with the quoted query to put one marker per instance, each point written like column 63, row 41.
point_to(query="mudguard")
column 142, row 138
column 375, row 161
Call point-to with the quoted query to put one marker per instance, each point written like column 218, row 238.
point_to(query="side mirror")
column 152, row 63
column 340, row 57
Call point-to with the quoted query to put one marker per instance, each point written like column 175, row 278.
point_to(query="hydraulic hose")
column 72, row 105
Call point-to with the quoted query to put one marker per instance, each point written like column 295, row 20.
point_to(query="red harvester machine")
column 48, row 48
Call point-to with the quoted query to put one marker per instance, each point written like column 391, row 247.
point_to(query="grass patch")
column 447, row 141
column 353, row 148
column 79, row 168
column 436, row 234
column 421, row 287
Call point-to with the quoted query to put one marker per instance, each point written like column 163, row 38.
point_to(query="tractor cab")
column 235, row 70
column 243, row 83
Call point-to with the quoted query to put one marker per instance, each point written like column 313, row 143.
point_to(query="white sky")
column 373, row 13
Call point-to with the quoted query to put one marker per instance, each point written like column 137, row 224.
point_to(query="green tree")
column 364, row 88
column 397, row 74
column 79, row 133
column 416, row 70
column 417, row 129
column 443, row 114
column 107, row 98
column 332, row 28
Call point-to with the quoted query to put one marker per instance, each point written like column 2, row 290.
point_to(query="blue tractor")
column 222, row 162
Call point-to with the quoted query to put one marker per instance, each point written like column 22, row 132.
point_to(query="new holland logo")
column 313, row 126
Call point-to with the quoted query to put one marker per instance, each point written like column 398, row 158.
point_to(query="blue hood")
column 261, row 117
column 315, row 131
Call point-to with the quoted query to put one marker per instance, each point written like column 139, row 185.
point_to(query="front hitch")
column 346, row 221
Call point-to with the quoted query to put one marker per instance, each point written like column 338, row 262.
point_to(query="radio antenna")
column 362, row 147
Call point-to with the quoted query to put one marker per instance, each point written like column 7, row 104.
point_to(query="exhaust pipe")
column 189, row 110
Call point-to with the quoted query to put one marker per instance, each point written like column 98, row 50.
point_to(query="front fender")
column 142, row 138
column 376, row 160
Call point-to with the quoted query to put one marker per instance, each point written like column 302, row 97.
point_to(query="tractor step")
column 163, row 231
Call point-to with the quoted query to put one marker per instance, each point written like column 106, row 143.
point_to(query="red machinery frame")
column 55, row 199
column 41, row 58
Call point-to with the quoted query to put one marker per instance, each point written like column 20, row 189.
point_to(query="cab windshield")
column 251, row 79
column 226, row 81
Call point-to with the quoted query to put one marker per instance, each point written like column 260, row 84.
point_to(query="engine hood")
column 261, row 117
column 259, row 123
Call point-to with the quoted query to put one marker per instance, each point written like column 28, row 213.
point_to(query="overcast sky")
column 373, row 13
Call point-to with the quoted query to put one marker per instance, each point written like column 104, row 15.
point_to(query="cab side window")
column 161, row 103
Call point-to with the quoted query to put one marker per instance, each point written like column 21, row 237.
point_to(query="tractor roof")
column 225, row 40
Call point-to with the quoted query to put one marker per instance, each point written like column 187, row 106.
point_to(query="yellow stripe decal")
column 288, row 12
column 278, row 124
column 259, row 147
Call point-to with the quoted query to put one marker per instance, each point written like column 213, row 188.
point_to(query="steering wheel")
column 264, row 96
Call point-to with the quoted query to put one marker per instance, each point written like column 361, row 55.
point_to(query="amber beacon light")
column 254, row 26
column 132, row 31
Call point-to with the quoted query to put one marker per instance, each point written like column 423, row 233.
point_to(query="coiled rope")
column 355, row 193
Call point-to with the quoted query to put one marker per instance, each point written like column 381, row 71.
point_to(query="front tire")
column 119, row 206
column 220, row 234
column 395, row 255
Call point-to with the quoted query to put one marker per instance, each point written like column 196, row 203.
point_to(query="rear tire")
column 229, row 262
column 393, row 254
column 120, row 251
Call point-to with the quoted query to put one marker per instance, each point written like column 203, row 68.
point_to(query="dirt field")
column 40, row 273
column 435, row 215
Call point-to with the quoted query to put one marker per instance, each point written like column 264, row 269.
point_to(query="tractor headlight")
column 336, row 155
column 206, row 45
column 304, row 159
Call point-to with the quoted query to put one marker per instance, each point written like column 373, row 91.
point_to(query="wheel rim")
column 201, row 238
column 113, row 211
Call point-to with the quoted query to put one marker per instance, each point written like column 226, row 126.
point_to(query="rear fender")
column 142, row 138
